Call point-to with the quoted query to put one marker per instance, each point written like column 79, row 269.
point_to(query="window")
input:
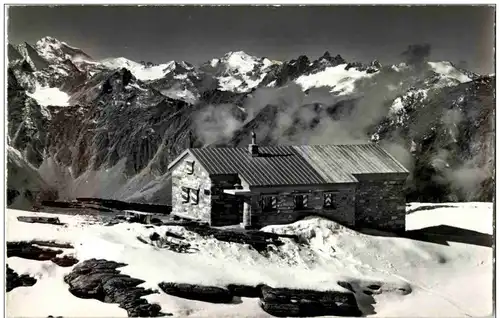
column 185, row 195
column 193, row 194
column 189, row 195
column 189, row 166
column 269, row 203
column 328, row 201
column 301, row 201
column 206, row 191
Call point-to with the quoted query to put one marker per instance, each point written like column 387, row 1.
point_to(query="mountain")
column 109, row 128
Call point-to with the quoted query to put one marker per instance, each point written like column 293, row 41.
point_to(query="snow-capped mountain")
column 238, row 71
column 89, row 116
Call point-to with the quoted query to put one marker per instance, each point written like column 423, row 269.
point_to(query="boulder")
column 99, row 279
column 65, row 261
column 301, row 302
column 245, row 290
column 198, row 292
column 39, row 219
column 29, row 251
column 14, row 280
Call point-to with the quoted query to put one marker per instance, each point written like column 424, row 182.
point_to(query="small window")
column 301, row 201
column 189, row 166
column 328, row 201
column 185, row 195
column 269, row 203
column 206, row 191
column 193, row 193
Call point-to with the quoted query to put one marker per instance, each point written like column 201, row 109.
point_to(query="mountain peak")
column 54, row 50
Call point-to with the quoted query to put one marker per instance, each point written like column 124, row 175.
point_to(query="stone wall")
column 342, row 212
column 381, row 204
column 199, row 180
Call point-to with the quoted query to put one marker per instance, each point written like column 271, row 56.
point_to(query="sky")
column 199, row 33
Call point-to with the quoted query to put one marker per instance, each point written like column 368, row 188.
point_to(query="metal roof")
column 299, row 165
column 280, row 165
column 341, row 163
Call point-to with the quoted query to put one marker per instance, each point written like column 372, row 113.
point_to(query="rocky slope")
column 109, row 128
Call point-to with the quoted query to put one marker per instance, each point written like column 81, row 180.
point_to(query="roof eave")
column 179, row 158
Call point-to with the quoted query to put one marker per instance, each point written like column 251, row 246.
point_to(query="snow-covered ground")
column 49, row 96
column 141, row 72
column 447, row 280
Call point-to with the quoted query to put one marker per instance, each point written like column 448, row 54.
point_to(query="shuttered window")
column 269, row 203
column 328, row 201
column 185, row 195
column 190, row 195
column 193, row 193
column 301, row 201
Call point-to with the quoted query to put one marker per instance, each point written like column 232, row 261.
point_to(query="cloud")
column 417, row 54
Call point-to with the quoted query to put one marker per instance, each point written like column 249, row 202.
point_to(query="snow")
column 436, row 273
column 141, row 72
column 49, row 96
column 214, row 62
column 239, row 65
column 446, row 69
column 241, row 61
column 342, row 81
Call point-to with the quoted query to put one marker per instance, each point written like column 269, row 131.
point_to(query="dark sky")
column 197, row 34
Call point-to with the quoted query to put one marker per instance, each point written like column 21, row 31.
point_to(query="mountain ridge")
column 124, row 121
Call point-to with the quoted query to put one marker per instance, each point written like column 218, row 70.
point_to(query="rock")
column 280, row 309
column 38, row 219
column 346, row 285
column 245, row 290
column 299, row 302
column 177, row 236
column 14, row 280
column 51, row 244
column 99, row 279
column 65, row 261
column 154, row 236
column 197, row 292
column 257, row 239
column 29, row 251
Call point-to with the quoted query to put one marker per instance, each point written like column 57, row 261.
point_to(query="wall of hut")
column 188, row 173
column 342, row 210
column 381, row 204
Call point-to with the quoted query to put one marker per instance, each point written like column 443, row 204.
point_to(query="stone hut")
column 356, row 185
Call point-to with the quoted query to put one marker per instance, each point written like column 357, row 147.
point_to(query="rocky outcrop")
column 39, row 219
column 257, row 239
column 279, row 302
column 100, row 279
column 197, row 292
column 14, row 280
column 284, row 302
column 41, row 251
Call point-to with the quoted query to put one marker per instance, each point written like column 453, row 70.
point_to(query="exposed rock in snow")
column 100, row 279
column 14, row 280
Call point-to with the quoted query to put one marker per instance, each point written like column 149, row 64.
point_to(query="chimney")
column 253, row 148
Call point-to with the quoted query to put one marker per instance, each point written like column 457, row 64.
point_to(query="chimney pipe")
column 253, row 148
